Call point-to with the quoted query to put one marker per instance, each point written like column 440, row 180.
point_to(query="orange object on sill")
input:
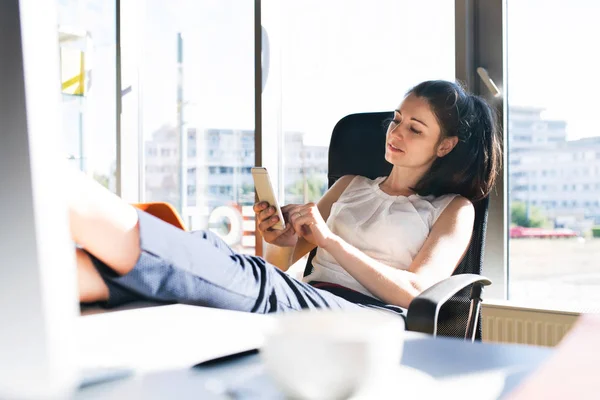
column 163, row 211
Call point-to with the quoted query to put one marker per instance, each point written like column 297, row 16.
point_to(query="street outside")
column 547, row 273
column 555, row 273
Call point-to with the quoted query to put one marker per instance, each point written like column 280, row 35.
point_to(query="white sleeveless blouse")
column 390, row 229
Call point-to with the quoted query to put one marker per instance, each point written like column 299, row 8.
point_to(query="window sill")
column 498, row 303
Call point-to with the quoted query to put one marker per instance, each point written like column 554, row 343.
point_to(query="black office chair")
column 450, row 307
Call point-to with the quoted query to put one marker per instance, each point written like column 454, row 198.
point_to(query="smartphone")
column 265, row 192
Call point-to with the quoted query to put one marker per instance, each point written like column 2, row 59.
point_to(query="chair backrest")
column 357, row 147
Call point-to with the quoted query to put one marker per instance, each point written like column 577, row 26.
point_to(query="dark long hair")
column 470, row 169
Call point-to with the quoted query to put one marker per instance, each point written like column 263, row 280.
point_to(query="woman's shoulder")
column 452, row 204
column 445, row 199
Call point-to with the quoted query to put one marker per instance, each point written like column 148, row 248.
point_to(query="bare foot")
column 91, row 285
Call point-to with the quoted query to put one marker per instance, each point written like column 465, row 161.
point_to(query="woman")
column 381, row 242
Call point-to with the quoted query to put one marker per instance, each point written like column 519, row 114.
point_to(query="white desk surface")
column 165, row 337
column 162, row 344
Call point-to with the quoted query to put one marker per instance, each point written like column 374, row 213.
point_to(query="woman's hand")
column 267, row 217
column 309, row 224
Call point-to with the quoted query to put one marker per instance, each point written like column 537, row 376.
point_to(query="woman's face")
column 413, row 137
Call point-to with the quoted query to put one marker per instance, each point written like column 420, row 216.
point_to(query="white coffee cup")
column 332, row 354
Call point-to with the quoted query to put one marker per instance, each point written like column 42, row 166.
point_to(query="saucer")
column 406, row 383
column 410, row 383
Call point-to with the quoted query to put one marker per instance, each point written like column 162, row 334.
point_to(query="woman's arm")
column 442, row 251
column 284, row 257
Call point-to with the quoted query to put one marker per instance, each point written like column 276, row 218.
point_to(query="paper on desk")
column 573, row 371
column 166, row 337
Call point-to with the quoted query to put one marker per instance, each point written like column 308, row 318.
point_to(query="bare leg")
column 103, row 224
column 91, row 285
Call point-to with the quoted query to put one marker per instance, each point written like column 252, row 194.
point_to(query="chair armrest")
column 423, row 311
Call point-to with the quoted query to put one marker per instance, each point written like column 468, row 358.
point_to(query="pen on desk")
column 228, row 357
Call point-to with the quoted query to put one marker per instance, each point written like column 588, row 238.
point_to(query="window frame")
column 481, row 42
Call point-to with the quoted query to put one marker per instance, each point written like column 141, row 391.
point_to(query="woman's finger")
column 266, row 214
column 274, row 234
column 301, row 212
column 300, row 220
column 260, row 206
column 268, row 223
column 307, row 220
column 289, row 208
column 303, row 225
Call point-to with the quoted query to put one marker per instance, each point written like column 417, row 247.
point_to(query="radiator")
column 503, row 323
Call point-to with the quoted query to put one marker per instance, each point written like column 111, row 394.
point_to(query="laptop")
column 38, row 289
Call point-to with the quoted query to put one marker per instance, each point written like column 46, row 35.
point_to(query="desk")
column 487, row 370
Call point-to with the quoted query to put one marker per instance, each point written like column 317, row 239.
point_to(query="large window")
column 187, row 76
column 197, row 113
column 554, row 153
column 188, row 90
column 198, row 95
column 87, row 39
column 341, row 57
column 188, row 84
column 332, row 58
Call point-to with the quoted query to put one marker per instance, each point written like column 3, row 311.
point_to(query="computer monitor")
column 38, row 289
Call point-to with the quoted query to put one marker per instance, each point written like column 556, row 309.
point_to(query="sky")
column 331, row 58
column 554, row 58
column 328, row 59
